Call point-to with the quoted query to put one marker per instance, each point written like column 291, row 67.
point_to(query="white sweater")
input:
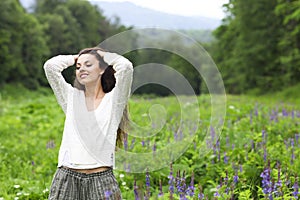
column 89, row 137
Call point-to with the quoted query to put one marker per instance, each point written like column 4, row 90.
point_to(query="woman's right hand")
column 75, row 57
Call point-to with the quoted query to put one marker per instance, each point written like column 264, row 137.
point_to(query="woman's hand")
column 101, row 53
column 75, row 57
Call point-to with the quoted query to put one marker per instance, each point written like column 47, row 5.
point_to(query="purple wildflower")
column 256, row 110
column 296, row 188
column 200, row 195
column 125, row 142
column 265, row 154
column 236, row 178
column 160, row 194
column 147, row 185
column 293, row 114
column 292, row 156
column 171, row 182
column 226, row 183
column 135, row 190
column 180, row 134
column 227, row 142
column 191, row 189
column 292, row 142
column 154, row 147
column 225, row 158
column 285, row 113
column 132, row 143
column 266, row 181
column 212, row 134
column 217, row 194
column 263, row 135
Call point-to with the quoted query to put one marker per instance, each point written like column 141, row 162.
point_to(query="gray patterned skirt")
column 71, row 185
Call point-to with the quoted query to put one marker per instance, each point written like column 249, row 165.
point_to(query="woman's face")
column 87, row 69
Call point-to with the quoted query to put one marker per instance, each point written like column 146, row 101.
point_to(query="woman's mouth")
column 83, row 75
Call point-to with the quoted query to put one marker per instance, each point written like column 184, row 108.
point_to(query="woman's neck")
column 94, row 91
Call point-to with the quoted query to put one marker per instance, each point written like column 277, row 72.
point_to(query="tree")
column 289, row 44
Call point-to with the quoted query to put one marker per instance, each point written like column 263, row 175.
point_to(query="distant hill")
column 130, row 14
column 133, row 15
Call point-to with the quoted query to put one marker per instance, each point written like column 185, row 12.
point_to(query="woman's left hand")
column 101, row 53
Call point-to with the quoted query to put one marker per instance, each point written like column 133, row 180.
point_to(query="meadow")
column 256, row 156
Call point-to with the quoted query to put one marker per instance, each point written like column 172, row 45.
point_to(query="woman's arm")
column 53, row 68
column 124, row 72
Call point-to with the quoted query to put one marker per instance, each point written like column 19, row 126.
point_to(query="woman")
column 96, row 114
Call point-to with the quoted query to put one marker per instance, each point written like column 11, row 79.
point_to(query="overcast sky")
column 207, row 8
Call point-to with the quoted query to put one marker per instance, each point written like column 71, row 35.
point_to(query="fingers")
column 75, row 57
column 101, row 53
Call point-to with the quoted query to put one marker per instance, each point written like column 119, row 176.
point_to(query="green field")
column 259, row 134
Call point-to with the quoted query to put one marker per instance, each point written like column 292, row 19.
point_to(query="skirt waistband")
column 72, row 172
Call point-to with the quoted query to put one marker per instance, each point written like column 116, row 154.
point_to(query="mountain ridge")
column 133, row 15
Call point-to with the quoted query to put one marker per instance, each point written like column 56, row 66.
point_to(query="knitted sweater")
column 89, row 137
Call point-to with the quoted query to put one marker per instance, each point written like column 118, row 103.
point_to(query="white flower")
column 122, row 175
column 123, row 183
column 17, row 186
column 45, row 190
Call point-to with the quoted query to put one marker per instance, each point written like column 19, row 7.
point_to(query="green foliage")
column 257, row 48
column 55, row 27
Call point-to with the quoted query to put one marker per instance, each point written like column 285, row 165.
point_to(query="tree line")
column 258, row 45
column 54, row 27
column 256, row 48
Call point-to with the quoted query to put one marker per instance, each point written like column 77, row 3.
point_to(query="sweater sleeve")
column 53, row 70
column 124, row 73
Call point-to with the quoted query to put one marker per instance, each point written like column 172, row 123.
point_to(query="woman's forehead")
column 86, row 58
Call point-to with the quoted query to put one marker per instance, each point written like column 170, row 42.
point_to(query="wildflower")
column 217, row 194
column 125, row 142
column 296, row 188
column 265, row 153
column 236, row 178
column 285, row 113
column 266, row 181
column 263, row 135
column 147, row 185
column 135, row 190
column 225, row 158
column 154, row 147
column 171, row 182
column 132, row 143
column 191, row 188
column 227, row 141
column 200, row 195
column 160, row 194
column 292, row 156
column 226, row 182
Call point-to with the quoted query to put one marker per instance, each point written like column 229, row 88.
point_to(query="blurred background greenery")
column 256, row 47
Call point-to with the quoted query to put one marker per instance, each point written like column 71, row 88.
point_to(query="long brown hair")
column 108, row 82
